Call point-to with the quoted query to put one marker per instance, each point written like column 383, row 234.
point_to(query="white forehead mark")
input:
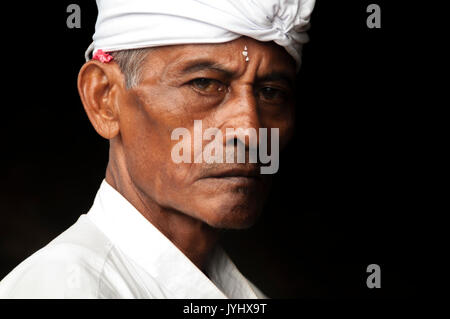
column 245, row 53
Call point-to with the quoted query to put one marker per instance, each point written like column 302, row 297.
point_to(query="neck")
column 193, row 237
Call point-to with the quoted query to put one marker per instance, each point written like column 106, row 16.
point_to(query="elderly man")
column 159, row 66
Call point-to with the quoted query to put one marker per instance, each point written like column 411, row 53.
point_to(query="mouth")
column 243, row 176
column 236, row 174
column 240, row 182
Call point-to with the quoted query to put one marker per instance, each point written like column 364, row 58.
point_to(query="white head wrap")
column 132, row 24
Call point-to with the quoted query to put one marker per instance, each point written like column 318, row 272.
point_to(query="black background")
column 347, row 192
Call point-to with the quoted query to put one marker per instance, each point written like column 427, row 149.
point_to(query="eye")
column 272, row 95
column 207, row 86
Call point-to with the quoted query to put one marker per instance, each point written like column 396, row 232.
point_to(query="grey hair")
column 130, row 63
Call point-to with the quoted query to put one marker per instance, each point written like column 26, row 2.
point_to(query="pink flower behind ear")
column 102, row 56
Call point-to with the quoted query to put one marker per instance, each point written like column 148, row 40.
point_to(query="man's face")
column 215, row 84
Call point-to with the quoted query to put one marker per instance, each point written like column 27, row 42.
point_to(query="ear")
column 99, row 86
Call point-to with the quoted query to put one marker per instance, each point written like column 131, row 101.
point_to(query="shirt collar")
column 137, row 238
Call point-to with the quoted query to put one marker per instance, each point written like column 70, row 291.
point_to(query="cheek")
column 287, row 131
column 146, row 139
column 285, row 122
column 152, row 170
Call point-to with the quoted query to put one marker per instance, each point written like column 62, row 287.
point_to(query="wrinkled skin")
column 190, row 202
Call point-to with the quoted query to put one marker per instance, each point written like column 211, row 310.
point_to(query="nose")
column 242, row 118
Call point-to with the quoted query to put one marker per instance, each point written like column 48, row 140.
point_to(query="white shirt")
column 114, row 252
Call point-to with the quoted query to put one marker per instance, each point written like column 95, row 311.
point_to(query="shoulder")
column 68, row 267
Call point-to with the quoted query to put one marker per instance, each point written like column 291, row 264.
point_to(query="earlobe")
column 97, row 86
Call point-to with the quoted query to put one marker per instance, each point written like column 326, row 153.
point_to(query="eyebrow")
column 200, row 65
column 277, row 76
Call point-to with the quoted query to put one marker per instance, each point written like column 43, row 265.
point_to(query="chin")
column 238, row 216
column 226, row 204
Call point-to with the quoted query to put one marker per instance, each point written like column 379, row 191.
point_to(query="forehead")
column 264, row 57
